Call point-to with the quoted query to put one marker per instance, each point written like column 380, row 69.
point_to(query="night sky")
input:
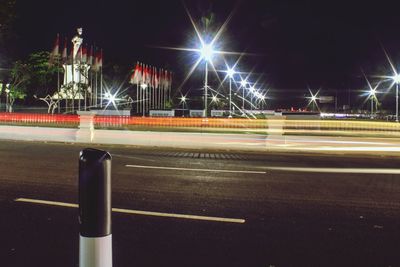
column 299, row 44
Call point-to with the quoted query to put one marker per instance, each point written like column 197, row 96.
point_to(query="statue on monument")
column 77, row 42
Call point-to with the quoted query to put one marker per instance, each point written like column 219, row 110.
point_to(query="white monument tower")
column 75, row 86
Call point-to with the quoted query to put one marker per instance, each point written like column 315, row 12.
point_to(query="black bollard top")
column 94, row 193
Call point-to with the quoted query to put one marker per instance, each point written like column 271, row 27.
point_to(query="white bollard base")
column 95, row 251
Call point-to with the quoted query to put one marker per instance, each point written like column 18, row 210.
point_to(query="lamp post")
column 183, row 101
column 252, row 90
column 396, row 79
column 243, row 83
column 372, row 95
column 230, row 72
column 206, row 53
column 143, row 86
column 313, row 100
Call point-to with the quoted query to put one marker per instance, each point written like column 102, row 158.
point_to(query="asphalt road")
column 295, row 209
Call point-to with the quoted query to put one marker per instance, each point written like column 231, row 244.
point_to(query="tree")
column 16, row 89
column 43, row 80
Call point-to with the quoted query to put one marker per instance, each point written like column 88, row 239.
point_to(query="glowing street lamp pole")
column 397, row 97
column 230, row 97
column 183, row 100
column 206, row 53
column 396, row 79
column 230, row 72
column 243, row 84
column 372, row 96
column 143, row 86
column 205, row 89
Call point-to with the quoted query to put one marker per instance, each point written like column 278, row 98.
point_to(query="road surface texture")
column 178, row 207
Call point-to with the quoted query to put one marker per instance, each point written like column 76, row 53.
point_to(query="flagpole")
column 80, row 80
column 170, row 86
column 101, row 87
column 73, row 82
column 101, row 78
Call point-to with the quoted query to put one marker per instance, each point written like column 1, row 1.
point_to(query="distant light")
column 396, row 78
column 214, row 98
column 143, row 86
column 183, row 98
column 243, row 83
column 314, row 98
column 252, row 89
column 206, row 52
column 230, row 72
column 372, row 92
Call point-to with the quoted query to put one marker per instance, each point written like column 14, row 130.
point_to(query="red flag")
column 166, row 79
column 90, row 56
column 161, row 78
column 101, row 58
column 56, row 47
column 64, row 52
column 98, row 60
column 156, row 78
column 56, row 50
column 84, row 54
column 141, row 75
column 136, row 75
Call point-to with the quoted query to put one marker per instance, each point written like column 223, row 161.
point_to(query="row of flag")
column 151, row 76
column 85, row 55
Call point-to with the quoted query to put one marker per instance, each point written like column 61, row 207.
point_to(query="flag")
column 90, row 56
column 56, row 50
column 152, row 76
column 149, row 72
column 165, row 79
column 84, row 54
column 156, row 78
column 136, row 75
column 98, row 60
column 101, row 58
column 161, row 79
column 170, row 79
column 64, row 52
column 141, row 74
column 146, row 77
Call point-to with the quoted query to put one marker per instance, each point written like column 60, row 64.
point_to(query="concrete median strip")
column 337, row 170
column 190, row 169
column 137, row 212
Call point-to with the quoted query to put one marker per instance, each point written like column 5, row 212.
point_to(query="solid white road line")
column 137, row 212
column 337, row 170
column 190, row 169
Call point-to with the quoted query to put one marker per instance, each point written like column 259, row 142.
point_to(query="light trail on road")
column 190, row 169
column 137, row 212
column 337, row 170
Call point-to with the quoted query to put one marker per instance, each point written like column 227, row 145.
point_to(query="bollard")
column 95, row 242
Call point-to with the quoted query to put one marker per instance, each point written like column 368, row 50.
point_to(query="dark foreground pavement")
column 291, row 218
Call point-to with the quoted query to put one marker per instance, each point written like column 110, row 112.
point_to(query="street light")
column 396, row 79
column 313, row 99
column 206, row 53
column 252, row 90
column 230, row 72
column 183, row 101
column 372, row 95
column 143, row 86
column 243, row 83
